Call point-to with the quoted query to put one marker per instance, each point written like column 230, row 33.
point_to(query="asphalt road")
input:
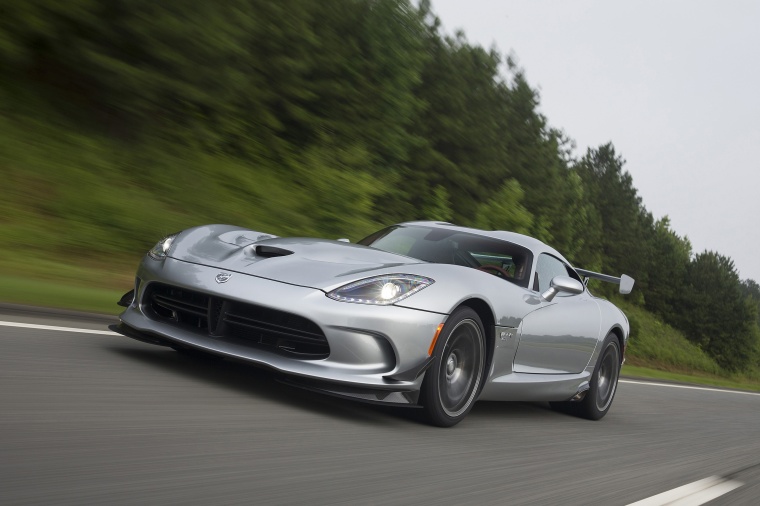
column 102, row 419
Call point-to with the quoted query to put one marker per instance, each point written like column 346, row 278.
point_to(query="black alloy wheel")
column 452, row 383
column 602, row 386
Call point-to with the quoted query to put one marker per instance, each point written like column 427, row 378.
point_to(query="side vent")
column 271, row 251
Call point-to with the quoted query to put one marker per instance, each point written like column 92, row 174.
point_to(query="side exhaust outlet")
column 582, row 391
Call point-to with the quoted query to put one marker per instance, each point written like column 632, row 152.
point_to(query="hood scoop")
column 316, row 263
column 271, row 251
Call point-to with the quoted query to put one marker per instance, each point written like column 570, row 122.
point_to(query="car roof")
column 531, row 243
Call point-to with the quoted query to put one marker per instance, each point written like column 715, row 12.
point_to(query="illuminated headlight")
column 160, row 250
column 381, row 290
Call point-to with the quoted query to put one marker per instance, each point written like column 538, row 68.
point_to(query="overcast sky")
column 675, row 85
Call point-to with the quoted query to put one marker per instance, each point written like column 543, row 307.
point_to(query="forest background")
column 126, row 120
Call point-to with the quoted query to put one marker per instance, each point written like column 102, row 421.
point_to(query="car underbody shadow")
column 513, row 410
column 262, row 383
column 256, row 382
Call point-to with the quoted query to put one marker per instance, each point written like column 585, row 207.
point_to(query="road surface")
column 96, row 418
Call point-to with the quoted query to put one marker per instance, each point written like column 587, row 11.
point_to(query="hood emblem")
column 223, row 277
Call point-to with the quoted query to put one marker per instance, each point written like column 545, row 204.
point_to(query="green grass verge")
column 633, row 371
column 38, row 292
column 657, row 345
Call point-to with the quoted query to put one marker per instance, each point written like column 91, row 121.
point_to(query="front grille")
column 249, row 324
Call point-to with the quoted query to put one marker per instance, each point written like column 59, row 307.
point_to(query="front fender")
column 455, row 284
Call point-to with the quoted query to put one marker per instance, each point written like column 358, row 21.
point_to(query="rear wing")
column 625, row 282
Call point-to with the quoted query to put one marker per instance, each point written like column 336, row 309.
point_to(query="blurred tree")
column 459, row 145
column 751, row 290
column 334, row 200
column 576, row 224
column 667, row 270
column 438, row 207
column 715, row 314
column 624, row 221
column 505, row 211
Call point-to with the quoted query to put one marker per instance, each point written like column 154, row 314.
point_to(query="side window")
column 546, row 268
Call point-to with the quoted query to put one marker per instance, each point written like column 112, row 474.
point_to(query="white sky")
column 675, row 85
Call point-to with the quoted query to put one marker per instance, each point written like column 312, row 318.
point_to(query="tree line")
column 375, row 115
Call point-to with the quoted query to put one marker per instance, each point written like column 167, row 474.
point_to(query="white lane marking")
column 59, row 329
column 693, row 494
column 689, row 387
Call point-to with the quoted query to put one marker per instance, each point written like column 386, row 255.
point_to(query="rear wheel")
column 602, row 386
column 453, row 382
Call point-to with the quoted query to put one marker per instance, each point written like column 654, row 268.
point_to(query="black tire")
column 603, row 384
column 453, row 381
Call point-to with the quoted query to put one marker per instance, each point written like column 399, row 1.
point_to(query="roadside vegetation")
column 657, row 350
column 124, row 121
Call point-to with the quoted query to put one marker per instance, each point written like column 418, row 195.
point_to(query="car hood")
column 314, row 263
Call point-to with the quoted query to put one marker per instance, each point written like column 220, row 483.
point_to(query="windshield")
column 444, row 246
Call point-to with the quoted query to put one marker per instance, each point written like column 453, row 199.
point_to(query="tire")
column 453, row 381
column 602, row 387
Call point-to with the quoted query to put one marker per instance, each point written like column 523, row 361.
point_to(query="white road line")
column 59, row 329
column 693, row 494
column 689, row 387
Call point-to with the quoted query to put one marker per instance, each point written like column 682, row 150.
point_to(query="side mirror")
column 343, row 239
column 564, row 284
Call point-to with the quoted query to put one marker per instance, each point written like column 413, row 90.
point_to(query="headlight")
column 160, row 250
column 381, row 290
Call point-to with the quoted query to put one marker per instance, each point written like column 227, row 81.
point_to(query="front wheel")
column 452, row 383
column 602, row 386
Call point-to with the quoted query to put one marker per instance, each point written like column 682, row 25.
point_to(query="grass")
column 658, row 351
column 657, row 345
column 39, row 278
column 37, row 292
column 632, row 371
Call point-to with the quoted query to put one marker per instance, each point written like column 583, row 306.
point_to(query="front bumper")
column 377, row 348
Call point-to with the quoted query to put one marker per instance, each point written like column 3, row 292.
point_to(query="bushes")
column 654, row 342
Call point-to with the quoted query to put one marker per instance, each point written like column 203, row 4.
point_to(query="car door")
column 559, row 337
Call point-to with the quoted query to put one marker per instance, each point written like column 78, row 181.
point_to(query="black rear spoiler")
column 625, row 282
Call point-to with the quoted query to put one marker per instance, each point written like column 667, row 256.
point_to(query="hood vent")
column 271, row 251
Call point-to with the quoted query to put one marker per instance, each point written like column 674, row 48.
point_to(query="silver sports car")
column 421, row 314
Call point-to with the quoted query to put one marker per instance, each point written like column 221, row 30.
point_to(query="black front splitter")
column 125, row 330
